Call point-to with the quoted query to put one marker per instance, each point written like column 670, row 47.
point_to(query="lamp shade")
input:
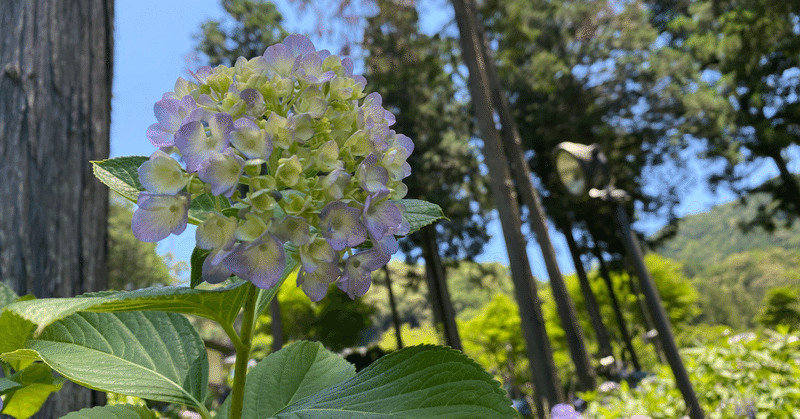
column 580, row 167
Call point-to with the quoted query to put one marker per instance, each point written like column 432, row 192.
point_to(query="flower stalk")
column 243, row 352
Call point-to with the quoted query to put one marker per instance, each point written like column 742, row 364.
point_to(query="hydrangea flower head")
column 298, row 160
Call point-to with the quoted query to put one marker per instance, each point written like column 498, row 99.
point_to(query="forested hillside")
column 732, row 269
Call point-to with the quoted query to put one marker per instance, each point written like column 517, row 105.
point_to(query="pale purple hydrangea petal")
column 312, row 254
column 170, row 113
column 256, row 106
column 222, row 171
column 371, row 176
column 214, row 271
column 158, row 216
column 260, row 262
column 380, row 216
column 216, row 232
column 335, row 183
column 315, row 284
column 196, row 146
column 278, row 59
column 340, row 225
column 251, row 140
column 293, row 229
column 308, row 68
column 202, row 73
column 564, row 411
column 357, row 276
column 162, row 174
column 299, row 45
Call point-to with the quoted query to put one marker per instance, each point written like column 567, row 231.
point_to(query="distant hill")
column 709, row 238
column 731, row 269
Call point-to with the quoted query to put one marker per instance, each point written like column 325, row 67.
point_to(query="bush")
column 735, row 376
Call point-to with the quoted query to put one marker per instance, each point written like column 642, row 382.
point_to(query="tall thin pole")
column 512, row 141
column 612, row 293
column 660, row 320
column 544, row 375
column 393, row 305
column 603, row 342
column 442, row 305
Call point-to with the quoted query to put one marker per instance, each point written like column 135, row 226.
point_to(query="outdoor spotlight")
column 581, row 167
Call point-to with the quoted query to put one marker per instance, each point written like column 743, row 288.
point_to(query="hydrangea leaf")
column 15, row 331
column 417, row 382
column 420, row 213
column 219, row 304
column 117, row 411
column 196, row 262
column 33, row 385
column 7, row 295
column 121, row 174
column 290, row 375
column 148, row 354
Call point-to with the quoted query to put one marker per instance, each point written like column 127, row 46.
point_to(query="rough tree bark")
column 546, row 382
column 55, row 107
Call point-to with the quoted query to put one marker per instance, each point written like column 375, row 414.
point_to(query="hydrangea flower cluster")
column 306, row 159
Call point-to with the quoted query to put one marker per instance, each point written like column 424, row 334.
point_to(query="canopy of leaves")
column 741, row 90
column 256, row 25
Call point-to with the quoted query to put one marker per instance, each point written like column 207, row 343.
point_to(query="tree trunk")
column 544, row 375
column 603, row 343
column 623, row 325
column 522, row 176
column 393, row 306
column 55, row 107
column 443, row 313
column 276, row 324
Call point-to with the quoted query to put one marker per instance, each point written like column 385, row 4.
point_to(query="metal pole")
column 660, row 320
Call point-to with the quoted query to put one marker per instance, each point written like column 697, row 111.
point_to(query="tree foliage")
column 781, row 308
column 256, row 25
column 739, row 77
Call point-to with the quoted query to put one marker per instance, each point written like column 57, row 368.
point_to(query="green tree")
column 781, row 307
column 741, row 93
column 256, row 25
column 337, row 321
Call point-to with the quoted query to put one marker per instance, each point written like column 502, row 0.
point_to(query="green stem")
column 243, row 353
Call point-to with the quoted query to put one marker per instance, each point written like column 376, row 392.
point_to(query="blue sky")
column 154, row 46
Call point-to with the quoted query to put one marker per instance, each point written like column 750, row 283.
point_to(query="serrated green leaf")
column 418, row 382
column 35, row 383
column 117, row 411
column 121, row 174
column 7, row 295
column 219, row 304
column 196, row 262
column 6, row 385
column 202, row 205
column 289, row 375
column 148, row 354
column 15, row 330
column 420, row 213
